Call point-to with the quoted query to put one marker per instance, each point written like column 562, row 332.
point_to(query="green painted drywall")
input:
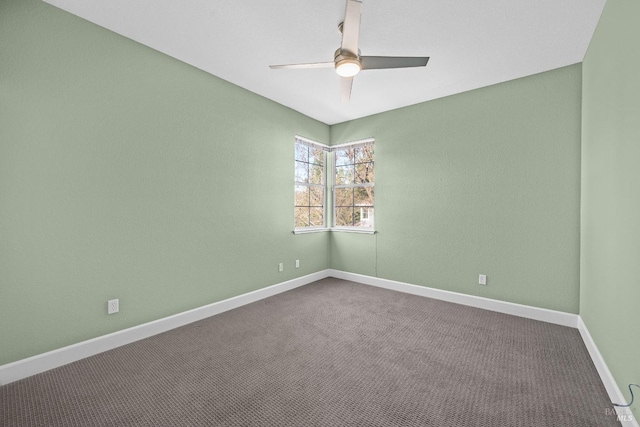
column 353, row 252
column 486, row 181
column 127, row 174
column 610, row 234
column 116, row 181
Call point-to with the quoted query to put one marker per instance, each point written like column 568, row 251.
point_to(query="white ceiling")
column 471, row 44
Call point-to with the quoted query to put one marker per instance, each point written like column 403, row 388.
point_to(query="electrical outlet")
column 482, row 279
column 113, row 306
column 297, row 263
column 281, row 267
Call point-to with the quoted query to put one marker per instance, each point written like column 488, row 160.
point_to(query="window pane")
column 302, row 195
column 302, row 152
column 344, row 196
column 316, row 217
column 344, row 175
column 316, row 156
column 344, row 217
column 315, row 174
column 302, row 172
column 364, row 173
column 364, row 153
column 363, row 196
column 317, row 196
column 345, row 156
column 363, row 217
column 355, row 169
column 310, row 180
column 302, row 217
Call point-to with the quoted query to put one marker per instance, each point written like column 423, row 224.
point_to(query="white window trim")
column 345, row 229
column 358, row 230
column 329, row 218
column 353, row 143
column 327, row 150
column 311, row 141
column 309, row 230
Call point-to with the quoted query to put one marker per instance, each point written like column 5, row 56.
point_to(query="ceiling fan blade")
column 345, row 88
column 380, row 62
column 351, row 27
column 297, row 66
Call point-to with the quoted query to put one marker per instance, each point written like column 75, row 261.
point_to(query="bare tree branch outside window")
column 310, row 184
column 352, row 187
column 354, row 181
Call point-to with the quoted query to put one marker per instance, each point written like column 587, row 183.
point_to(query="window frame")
column 334, row 186
column 324, row 185
column 328, row 185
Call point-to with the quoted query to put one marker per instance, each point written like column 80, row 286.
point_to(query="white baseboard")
column 551, row 316
column 615, row 394
column 543, row 314
column 33, row 365
column 52, row 359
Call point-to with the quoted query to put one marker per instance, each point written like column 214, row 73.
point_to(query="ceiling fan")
column 347, row 59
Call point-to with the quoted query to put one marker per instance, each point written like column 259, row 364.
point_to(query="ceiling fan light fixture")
column 348, row 67
column 347, row 60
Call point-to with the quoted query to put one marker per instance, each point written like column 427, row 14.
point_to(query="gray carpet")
column 333, row 353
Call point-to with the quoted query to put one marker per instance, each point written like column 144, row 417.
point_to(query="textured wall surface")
column 487, row 181
column 610, row 237
column 127, row 174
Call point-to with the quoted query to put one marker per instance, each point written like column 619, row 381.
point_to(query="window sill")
column 334, row 229
column 353, row 230
column 310, row 230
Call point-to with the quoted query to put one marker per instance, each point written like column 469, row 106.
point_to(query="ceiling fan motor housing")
column 347, row 60
column 347, row 64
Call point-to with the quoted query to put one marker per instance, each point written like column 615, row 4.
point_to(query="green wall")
column 610, row 252
column 127, row 174
column 486, row 181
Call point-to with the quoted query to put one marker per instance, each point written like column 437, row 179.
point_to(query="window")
column 351, row 181
column 310, row 184
column 353, row 185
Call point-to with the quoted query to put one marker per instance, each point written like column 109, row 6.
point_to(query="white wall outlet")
column 297, row 263
column 113, row 306
column 281, row 267
column 482, row 279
